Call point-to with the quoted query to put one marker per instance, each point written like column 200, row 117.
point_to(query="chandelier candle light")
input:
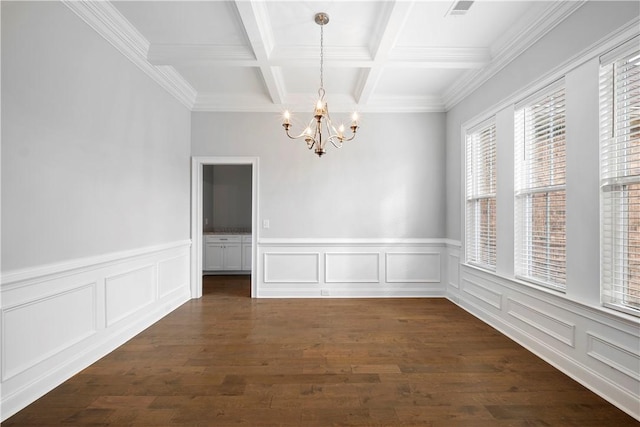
column 313, row 133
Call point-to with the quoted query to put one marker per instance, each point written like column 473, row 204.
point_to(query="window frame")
column 474, row 167
column 526, row 190
column 616, row 180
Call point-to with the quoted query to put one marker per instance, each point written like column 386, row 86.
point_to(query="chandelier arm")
column 314, row 138
column 333, row 141
column 349, row 139
column 296, row 137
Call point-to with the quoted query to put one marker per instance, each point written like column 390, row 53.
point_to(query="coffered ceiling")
column 265, row 55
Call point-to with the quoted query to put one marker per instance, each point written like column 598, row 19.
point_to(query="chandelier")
column 313, row 134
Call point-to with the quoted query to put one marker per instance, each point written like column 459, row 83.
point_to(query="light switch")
column 265, row 223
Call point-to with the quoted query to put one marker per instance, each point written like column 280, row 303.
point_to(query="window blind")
column 620, row 178
column 480, row 230
column 540, row 194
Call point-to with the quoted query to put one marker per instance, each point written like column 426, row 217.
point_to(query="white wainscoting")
column 343, row 268
column 58, row 319
column 596, row 348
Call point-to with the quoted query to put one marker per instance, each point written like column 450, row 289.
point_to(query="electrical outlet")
column 324, row 292
column 265, row 223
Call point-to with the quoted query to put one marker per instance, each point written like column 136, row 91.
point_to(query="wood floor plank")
column 226, row 359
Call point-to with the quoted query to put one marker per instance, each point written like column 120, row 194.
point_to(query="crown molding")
column 190, row 54
column 511, row 45
column 107, row 21
column 440, row 57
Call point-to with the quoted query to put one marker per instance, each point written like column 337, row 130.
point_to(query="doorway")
column 197, row 180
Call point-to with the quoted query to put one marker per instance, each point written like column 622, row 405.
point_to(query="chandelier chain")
column 321, row 56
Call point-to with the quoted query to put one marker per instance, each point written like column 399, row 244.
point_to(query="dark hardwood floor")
column 229, row 360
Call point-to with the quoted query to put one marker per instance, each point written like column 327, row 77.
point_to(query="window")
column 620, row 177
column 540, row 238
column 480, row 234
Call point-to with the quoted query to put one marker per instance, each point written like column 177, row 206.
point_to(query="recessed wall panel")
column 614, row 355
column 128, row 292
column 352, row 267
column 411, row 267
column 172, row 274
column 481, row 292
column 291, row 267
column 35, row 331
column 545, row 322
column 454, row 270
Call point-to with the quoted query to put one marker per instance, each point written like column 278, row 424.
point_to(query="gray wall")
column 95, row 155
column 387, row 183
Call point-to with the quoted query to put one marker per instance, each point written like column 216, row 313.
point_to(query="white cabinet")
column 222, row 252
column 213, row 256
column 246, row 253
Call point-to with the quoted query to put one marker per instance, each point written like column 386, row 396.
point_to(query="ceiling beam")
column 255, row 19
column 307, row 56
column 397, row 14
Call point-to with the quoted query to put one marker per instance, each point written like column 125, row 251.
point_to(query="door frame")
column 197, row 168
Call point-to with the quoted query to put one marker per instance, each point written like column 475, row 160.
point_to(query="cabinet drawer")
column 216, row 238
column 246, row 239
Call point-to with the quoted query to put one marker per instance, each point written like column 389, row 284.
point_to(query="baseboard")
column 98, row 307
column 563, row 333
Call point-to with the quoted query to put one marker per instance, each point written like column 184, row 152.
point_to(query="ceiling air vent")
column 460, row 7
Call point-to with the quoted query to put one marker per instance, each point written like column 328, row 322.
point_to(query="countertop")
column 228, row 230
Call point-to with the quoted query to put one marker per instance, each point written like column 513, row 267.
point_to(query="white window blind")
column 620, row 178
column 540, row 194
column 480, row 232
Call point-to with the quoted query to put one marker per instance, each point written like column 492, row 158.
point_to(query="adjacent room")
column 265, row 212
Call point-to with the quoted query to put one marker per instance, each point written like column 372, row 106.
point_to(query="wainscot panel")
column 592, row 345
column 58, row 319
column 126, row 293
column 346, row 268
column 292, row 267
column 349, row 267
column 36, row 330
column 415, row 267
column 173, row 274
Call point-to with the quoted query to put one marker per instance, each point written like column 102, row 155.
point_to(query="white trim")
column 197, row 164
column 512, row 46
column 622, row 50
column 108, row 22
column 540, row 94
column 351, row 242
column 453, row 244
column 598, row 48
column 49, row 271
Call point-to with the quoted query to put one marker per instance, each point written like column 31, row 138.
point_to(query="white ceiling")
column 379, row 55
